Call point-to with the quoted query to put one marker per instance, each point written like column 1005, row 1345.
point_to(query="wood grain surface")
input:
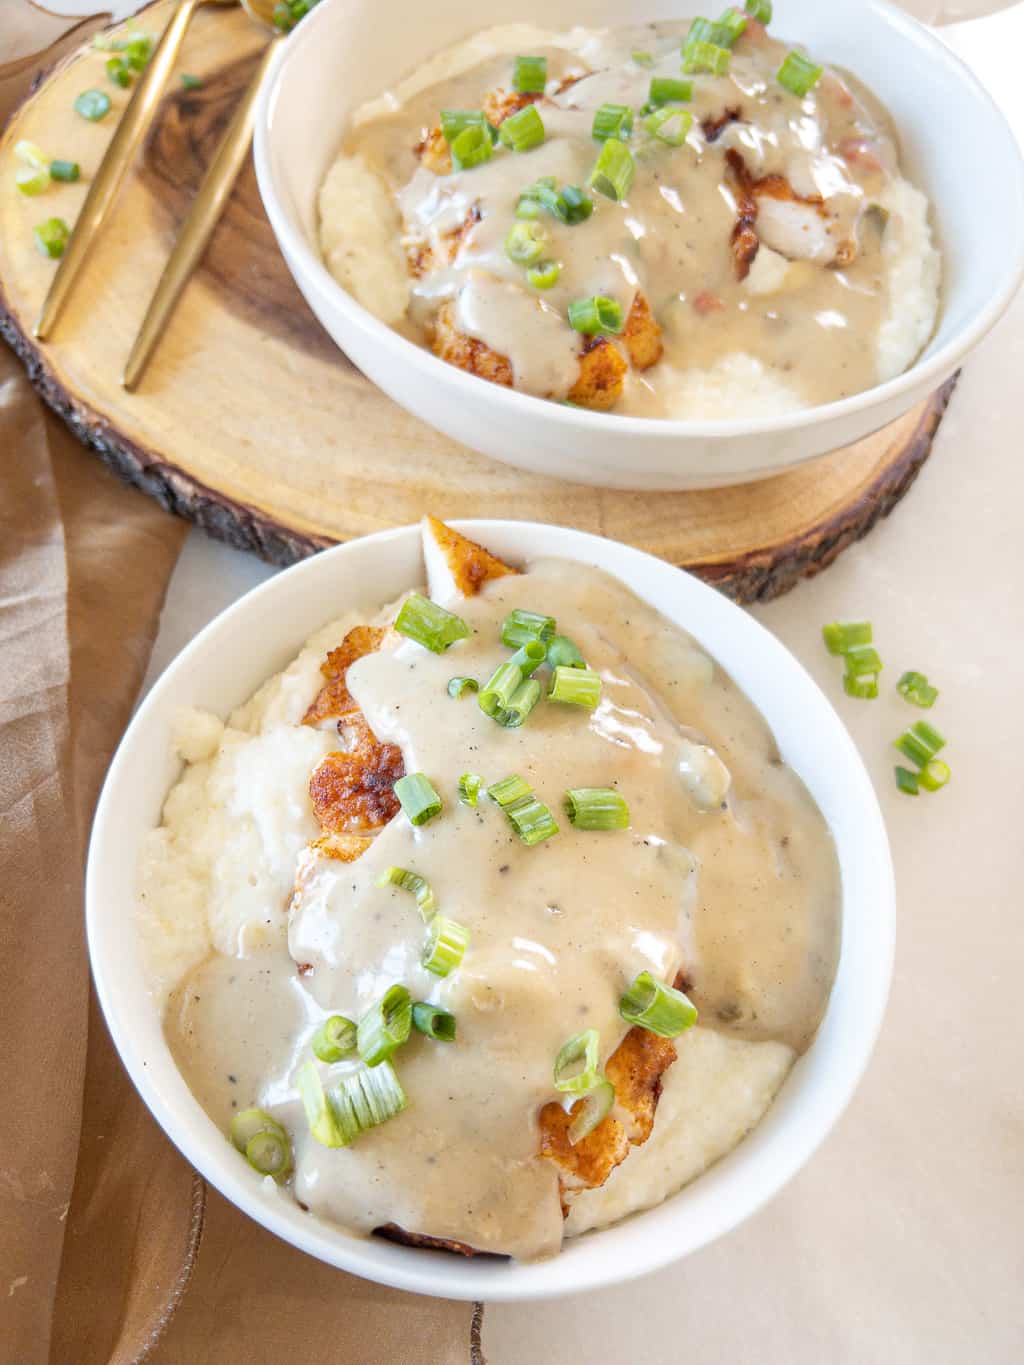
column 254, row 425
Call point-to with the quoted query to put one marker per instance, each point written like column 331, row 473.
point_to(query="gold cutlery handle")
column 198, row 226
column 123, row 145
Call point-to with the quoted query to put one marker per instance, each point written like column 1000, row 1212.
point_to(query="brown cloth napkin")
column 107, row 1253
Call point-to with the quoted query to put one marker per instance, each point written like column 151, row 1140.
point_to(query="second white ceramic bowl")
column 258, row 636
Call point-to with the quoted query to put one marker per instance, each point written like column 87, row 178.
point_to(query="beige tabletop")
column 903, row 1240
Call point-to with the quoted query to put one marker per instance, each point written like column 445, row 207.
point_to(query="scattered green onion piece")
column 520, row 704
column 530, row 75
column 509, row 790
column 613, row 171
column 576, row 207
column 455, row 121
column 907, row 781
column 562, row 653
column 268, row 1154
column 469, row 788
column 596, row 808
column 282, row 17
column 32, row 180
column 529, row 657
column 367, row 1098
column 666, row 90
column 575, row 686
column 707, row 57
column 247, row 1123
column 435, row 1023
column 916, row 689
column 531, row 820
column 320, row 1115
column 862, row 659
column 596, row 1105
column 92, row 105
column 385, row 1026
column 920, row 743
column 669, row 125
column 761, row 10
column 499, row 688
column 137, row 51
column 31, row 154
column 798, row 74
column 525, row 243
column 472, row 147
column 191, row 82
column 334, row 1039
column 576, row 1069
column 418, row 798
column 642, row 58
column 520, row 626
column 730, row 27
column 701, row 31
column 612, row 120
column 119, row 72
column 657, row 1007
column 596, row 315
column 52, row 237
column 106, row 42
column 569, row 205
column 841, row 636
column 458, row 687
column 413, row 883
column 529, row 210
column 934, row 774
column 445, row 946
column 66, row 171
column 544, row 275
column 524, row 130
column 429, row 625
column 862, row 688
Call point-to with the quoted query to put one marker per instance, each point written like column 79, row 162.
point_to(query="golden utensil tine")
column 198, row 226
column 130, row 131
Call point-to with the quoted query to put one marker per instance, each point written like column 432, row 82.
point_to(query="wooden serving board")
column 253, row 424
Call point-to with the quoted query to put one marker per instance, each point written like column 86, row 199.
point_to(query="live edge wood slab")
column 251, row 423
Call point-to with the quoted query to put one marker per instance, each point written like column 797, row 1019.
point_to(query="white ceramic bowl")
column 956, row 145
column 258, row 636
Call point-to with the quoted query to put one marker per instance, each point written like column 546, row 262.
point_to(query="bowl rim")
column 822, row 1098
column 510, row 402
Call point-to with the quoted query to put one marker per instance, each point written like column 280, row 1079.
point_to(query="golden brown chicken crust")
column 351, row 790
column 744, row 242
column 469, row 563
column 475, row 357
column 433, row 151
column 642, row 334
column 601, row 377
column 502, row 104
column 391, row 1232
column 343, row 848
column 334, row 700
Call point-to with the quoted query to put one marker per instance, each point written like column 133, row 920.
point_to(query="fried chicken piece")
column 602, row 374
column 769, row 210
column 351, row 789
column 743, row 241
column 714, row 127
column 502, row 104
column 391, row 1232
column 456, row 565
column 433, row 151
column 475, row 357
column 642, row 335
column 334, row 700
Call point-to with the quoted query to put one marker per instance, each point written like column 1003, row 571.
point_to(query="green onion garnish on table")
column 472, row 147
column 669, row 125
column 52, row 237
column 596, row 808
column 920, row 743
column 525, row 243
column 576, row 1066
column 433, row 1022
column 543, row 275
column 863, row 688
column 262, row 1141
column 519, row 627
column 710, row 58
column 92, row 105
column 429, row 624
column 860, row 660
column 367, row 1098
column 575, row 686
column 524, row 130
column 596, row 316
column 418, row 799
column 33, row 176
column 334, row 1039
column 915, row 688
column 530, row 75
column 595, row 1105
column 320, row 1116
column 119, row 72
column 657, row 1007
column 906, row 781
column 562, row 653
column 469, row 788
column 446, row 943
column 842, row 636
column 413, row 883
column 613, row 170
column 65, row 171
column 666, row 90
column 612, row 120
column 934, row 774
column 798, row 74
column 385, row 1026
column 761, row 10
column 458, row 687
column 189, row 82
column 642, row 57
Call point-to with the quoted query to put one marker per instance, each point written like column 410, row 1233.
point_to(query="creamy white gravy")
column 727, row 873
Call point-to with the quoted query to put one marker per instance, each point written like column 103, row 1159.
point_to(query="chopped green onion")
column 445, row 946
column 701, row 31
column 576, row 1069
column 569, row 205
column 575, row 686
column 530, row 75
column 523, row 130
column 531, row 820
column 669, row 125
column 709, row 57
column 435, row 1023
column 907, row 781
column 66, row 171
column 119, row 72
column 429, row 625
column 529, row 657
column 596, row 315
column 269, row 1154
column 471, row 147
column 320, row 1115
column 418, row 798
column 916, row 689
column 248, row 1123
column 334, row 1039
column 612, row 120
column 596, row 808
column 528, row 209
column 366, row 1099
column 497, row 691
column 92, row 105
column 385, row 1026
column 562, row 653
column 545, row 275
column 415, row 884
column 191, row 82
column 32, row 180
column 525, row 243
column 864, row 688
column 642, row 58
column 657, row 1007
column 31, row 154
column 841, row 636
column 520, row 704
column 862, row 659
column 761, row 10
column 934, row 774
column 613, row 171
column 137, row 51
column 52, row 237
column 798, row 74
column 730, row 27
column 520, row 626
column 596, row 1105
column 920, row 743
column 575, row 205
column 666, row 90
column 509, row 790
column 455, row 121
column 458, row 687
column 469, row 788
